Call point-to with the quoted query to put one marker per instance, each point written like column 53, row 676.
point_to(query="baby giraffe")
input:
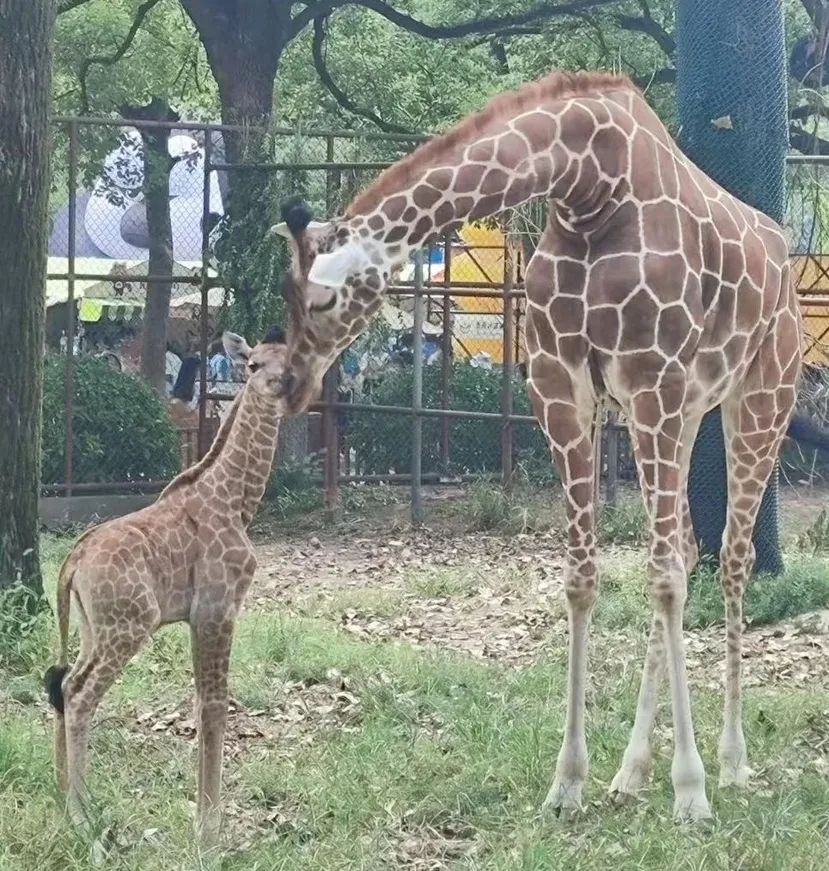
column 187, row 558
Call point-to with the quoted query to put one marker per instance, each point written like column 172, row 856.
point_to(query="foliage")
column 802, row 587
column 625, row 523
column 294, row 487
column 815, row 539
column 121, row 429
column 21, row 624
column 488, row 506
column 382, row 444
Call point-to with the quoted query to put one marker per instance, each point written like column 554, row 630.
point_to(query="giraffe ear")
column 284, row 230
column 237, row 348
column 332, row 269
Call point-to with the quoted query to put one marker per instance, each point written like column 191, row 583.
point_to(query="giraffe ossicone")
column 185, row 558
column 651, row 286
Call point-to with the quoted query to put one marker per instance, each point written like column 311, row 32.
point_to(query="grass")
column 446, row 761
column 385, row 756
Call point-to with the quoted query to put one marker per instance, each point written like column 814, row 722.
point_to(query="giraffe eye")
column 253, row 366
column 324, row 307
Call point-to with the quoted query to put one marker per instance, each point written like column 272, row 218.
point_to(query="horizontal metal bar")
column 93, row 276
column 807, row 158
column 297, row 167
column 82, row 121
column 435, row 478
column 106, row 487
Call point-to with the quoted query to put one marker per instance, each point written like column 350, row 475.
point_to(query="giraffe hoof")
column 564, row 800
column 692, row 808
column 621, row 798
column 629, row 780
column 735, row 775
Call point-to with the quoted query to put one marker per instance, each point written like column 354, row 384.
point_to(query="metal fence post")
column 70, row 305
column 330, row 437
column 205, row 294
column 417, row 392
column 508, row 369
column 446, row 352
column 329, row 179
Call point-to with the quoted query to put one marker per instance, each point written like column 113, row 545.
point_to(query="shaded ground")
column 498, row 597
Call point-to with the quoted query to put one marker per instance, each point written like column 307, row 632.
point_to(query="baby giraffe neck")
column 236, row 481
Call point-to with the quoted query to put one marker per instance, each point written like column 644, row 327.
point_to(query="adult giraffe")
column 652, row 287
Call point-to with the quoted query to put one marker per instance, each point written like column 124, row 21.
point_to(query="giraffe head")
column 265, row 363
column 337, row 278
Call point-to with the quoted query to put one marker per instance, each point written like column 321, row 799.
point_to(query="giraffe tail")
column 804, row 430
column 53, row 679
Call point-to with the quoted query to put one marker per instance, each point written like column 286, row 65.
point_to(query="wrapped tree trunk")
column 25, row 71
column 731, row 94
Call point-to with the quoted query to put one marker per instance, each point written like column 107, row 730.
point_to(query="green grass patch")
column 623, row 524
column 803, row 586
column 445, row 761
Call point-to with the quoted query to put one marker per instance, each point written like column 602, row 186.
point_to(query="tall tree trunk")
column 244, row 40
column 25, row 73
column 731, row 95
column 157, row 167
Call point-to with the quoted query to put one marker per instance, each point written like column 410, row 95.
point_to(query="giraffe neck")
column 235, row 481
column 566, row 149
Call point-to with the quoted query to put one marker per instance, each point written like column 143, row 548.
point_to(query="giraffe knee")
column 668, row 583
column 581, row 587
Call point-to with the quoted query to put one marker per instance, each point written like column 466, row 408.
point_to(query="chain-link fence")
column 136, row 211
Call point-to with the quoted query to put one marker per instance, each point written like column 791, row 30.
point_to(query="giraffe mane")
column 556, row 85
column 189, row 476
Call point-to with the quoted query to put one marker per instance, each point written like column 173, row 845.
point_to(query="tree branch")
column 802, row 113
column 69, row 5
column 666, row 76
column 311, row 12
column 807, row 143
column 318, row 51
column 650, row 27
column 109, row 59
column 539, row 12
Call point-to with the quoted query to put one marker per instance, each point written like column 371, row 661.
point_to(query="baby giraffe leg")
column 212, row 640
column 84, row 688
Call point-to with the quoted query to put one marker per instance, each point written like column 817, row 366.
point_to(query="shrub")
column 382, row 442
column 802, row 587
column 121, row 429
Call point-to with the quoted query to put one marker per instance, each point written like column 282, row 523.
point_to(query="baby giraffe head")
column 265, row 363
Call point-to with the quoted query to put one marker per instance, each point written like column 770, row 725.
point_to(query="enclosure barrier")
column 458, row 286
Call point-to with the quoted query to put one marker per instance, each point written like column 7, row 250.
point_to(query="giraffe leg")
column 85, row 686
column 212, row 638
column 115, row 627
column 61, row 771
column 661, row 467
column 636, row 762
column 568, row 425
column 754, row 425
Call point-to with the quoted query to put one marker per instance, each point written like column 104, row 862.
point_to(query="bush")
column 121, row 428
column 382, row 442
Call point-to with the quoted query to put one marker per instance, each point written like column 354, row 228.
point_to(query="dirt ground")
column 493, row 596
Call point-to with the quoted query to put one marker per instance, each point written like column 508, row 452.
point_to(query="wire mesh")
column 124, row 434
